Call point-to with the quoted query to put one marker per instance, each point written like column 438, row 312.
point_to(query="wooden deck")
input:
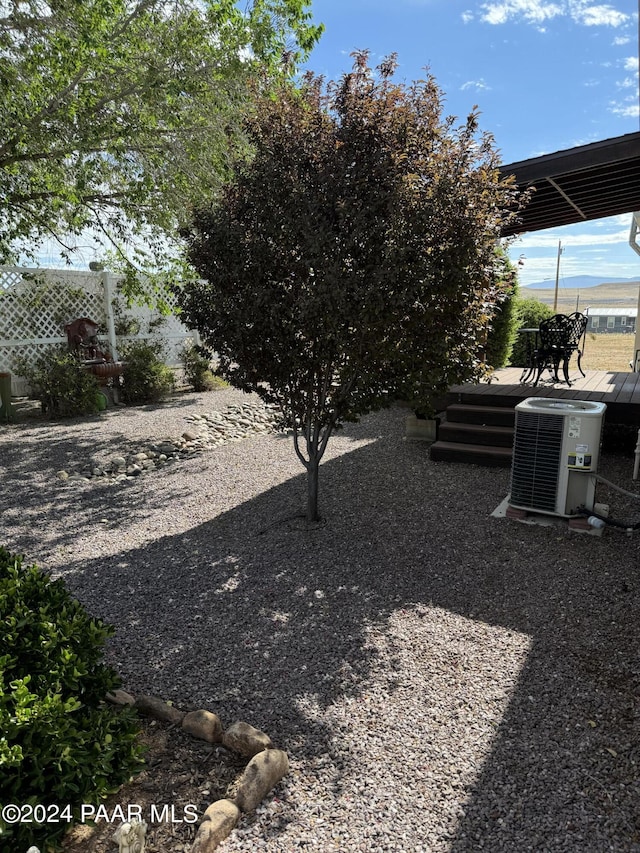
column 620, row 391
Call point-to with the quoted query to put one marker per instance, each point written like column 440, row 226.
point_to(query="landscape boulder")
column 245, row 739
column 151, row 706
column 218, row 821
column 204, row 725
column 261, row 775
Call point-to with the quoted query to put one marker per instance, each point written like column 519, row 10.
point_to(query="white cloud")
column 533, row 11
column 538, row 11
column 549, row 239
column 476, row 85
column 597, row 16
column 620, row 219
column 620, row 40
column 625, row 110
column 582, row 262
column 597, row 248
column 467, row 17
column 628, row 106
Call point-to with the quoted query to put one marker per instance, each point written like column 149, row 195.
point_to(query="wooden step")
column 465, row 433
column 485, row 415
column 449, row 451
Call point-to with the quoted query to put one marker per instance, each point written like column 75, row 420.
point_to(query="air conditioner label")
column 574, row 426
column 579, row 460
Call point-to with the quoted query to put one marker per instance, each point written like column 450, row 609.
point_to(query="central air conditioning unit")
column 556, row 446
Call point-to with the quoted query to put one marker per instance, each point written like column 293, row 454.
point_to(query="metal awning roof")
column 589, row 182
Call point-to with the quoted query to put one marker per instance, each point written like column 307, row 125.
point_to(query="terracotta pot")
column 107, row 370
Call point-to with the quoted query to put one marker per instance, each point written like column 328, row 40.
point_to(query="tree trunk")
column 312, row 489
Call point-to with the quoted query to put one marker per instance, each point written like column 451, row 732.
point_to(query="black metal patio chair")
column 558, row 338
column 577, row 324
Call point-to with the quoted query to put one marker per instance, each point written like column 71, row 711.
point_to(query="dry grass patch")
column 608, row 352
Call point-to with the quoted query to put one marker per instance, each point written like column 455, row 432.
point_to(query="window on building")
column 595, row 322
column 611, row 322
column 623, row 321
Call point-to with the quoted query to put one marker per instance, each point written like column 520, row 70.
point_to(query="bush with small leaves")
column 146, row 378
column 197, row 369
column 59, row 742
column 62, row 385
column 505, row 320
column 530, row 312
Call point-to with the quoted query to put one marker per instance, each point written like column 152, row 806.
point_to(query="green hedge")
column 59, row 741
column 530, row 312
column 505, row 321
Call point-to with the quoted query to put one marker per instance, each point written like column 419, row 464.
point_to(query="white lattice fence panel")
column 35, row 305
column 155, row 326
column 174, row 346
column 34, row 311
column 9, row 278
column 40, row 306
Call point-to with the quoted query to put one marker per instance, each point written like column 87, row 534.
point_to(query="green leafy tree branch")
column 119, row 115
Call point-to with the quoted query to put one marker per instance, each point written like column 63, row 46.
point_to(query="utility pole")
column 555, row 298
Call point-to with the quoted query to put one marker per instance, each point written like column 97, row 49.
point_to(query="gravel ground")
column 442, row 680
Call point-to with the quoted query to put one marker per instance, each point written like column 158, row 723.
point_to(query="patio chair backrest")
column 577, row 325
column 554, row 332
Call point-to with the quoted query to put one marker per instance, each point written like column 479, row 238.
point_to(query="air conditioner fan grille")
column 536, row 460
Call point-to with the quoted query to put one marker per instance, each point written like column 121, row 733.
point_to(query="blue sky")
column 545, row 74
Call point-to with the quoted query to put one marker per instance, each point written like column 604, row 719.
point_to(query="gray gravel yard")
column 442, row 680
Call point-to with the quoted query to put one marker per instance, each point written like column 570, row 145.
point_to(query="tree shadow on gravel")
column 42, row 502
column 63, row 511
column 270, row 622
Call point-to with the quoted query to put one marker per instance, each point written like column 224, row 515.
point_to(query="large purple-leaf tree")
column 353, row 257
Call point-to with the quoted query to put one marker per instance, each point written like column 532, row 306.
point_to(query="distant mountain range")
column 579, row 282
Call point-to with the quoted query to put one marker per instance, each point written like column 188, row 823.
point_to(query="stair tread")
column 490, row 415
column 484, row 434
column 483, row 428
column 465, row 407
column 472, row 448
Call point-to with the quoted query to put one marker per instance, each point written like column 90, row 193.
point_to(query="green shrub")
column 63, row 387
column 197, row 369
column 505, row 322
column 530, row 312
column 146, row 379
column 59, row 742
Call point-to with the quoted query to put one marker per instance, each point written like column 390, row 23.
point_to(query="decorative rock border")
column 235, row 423
column 267, row 765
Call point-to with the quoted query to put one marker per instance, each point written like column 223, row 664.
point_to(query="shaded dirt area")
column 182, row 777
